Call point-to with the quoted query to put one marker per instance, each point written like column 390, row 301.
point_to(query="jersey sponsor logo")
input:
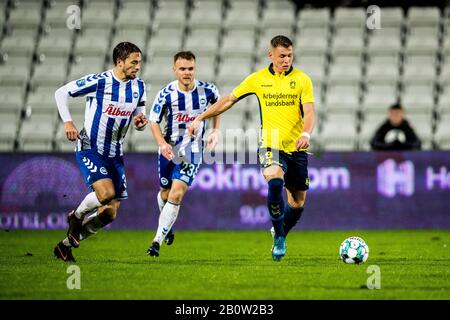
column 183, row 117
column 81, row 82
column 112, row 110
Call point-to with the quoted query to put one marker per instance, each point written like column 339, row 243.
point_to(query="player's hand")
column 302, row 143
column 70, row 130
column 140, row 121
column 166, row 151
column 193, row 128
column 212, row 140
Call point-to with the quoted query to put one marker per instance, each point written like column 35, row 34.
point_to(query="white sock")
column 166, row 220
column 91, row 225
column 89, row 204
column 161, row 202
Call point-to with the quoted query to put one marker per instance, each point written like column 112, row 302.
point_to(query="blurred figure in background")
column 395, row 133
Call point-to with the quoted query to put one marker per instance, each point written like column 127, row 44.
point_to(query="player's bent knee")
column 105, row 197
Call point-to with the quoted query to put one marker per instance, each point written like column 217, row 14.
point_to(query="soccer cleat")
column 154, row 249
column 170, row 237
column 75, row 226
column 279, row 248
column 63, row 252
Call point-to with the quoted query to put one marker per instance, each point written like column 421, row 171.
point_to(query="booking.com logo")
column 395, row 178
column 233, row 145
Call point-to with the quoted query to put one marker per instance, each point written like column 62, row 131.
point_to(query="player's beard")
column 129, row 74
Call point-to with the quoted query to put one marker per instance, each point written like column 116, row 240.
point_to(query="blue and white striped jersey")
column 110, row 107
column 179, row 109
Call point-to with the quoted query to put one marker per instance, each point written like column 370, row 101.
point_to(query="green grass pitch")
column 226, row 265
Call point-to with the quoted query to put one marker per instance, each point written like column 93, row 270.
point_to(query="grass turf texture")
column 226, row 265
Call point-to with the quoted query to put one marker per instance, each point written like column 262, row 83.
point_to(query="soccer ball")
column 354, row 250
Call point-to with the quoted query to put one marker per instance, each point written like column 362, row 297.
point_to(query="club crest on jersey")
column 183, row 117
column 81, row 82
column 203, row 102
column 292, row 84
column 112, row 110
column 135, row 95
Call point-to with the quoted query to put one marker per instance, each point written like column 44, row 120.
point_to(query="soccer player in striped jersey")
column 114, row 100
column 179, row 103
column 287, row 113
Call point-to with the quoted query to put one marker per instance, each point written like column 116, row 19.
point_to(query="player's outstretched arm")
column 222, row 105
column 165, row 148
column 308, row 126
column 62, row 102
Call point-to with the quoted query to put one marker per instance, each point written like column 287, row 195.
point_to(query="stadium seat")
column 134, row 15
column 56, row 14
column 165, row 41
column 238, row 42
column 233, row 70
column 136, row 35
column 385, row 41
column 339, row 132
column 26, row 14
column 313, row 17
column 382, row 68
column 311, row 41
column 342, row 98
column 93, row 41
column 349, row 17
column 233, row 17
column 195, row 41
column 423, row 16
column 206, row 13
column 8, row 129
column 422, row 123
column 419, row 69
column 274, row 10
column 58, row 43
column 37, row 132
column 19, row 42
column 378, row 97
column 12, row 97
column 442, row 135
column 98, row 14
column 369, row 125
column 348, row 41
column 418, row 97
column 52, row 71
column 171, row 14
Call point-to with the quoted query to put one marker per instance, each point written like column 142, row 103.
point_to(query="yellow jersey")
column 280, row 102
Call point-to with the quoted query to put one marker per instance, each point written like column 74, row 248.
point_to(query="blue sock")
column 291, row 217
column 275, row 203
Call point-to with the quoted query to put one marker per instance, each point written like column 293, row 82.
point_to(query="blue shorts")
column 294, row 165
column 95, row 167
column 180, row 170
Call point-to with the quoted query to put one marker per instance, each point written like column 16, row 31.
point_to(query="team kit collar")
column 273, row 71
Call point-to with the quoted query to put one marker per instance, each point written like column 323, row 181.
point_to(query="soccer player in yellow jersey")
column 286, row 102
